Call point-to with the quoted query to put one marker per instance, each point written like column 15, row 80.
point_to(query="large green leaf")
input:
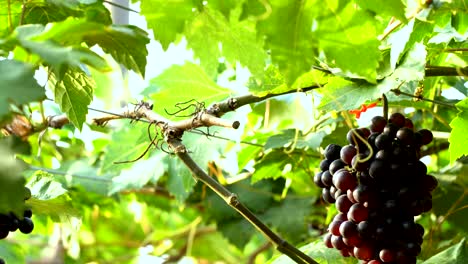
column 458, row 136
column 210, row 28
column 73, row 92
column 288, row 32
column 340, row 94
column 12, row 191
column 456, row 254
column 181, row 84
column 349, row 39
column 392, row 8
column 320, row 253
column 18, row 85
column 126, row 43
column 141, row 173
column 166, row 18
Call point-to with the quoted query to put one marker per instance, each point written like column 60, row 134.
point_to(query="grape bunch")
column 11, row 222
column 378, row 185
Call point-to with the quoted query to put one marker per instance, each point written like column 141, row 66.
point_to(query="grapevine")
column 378, row 185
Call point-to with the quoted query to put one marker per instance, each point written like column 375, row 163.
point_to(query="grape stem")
column 232, row 200
column 385, row 106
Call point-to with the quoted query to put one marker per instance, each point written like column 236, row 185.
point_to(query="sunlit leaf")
column 456, row 254
column 458, row 136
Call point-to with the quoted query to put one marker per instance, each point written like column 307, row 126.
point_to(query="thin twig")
column 233, row 201
column 398, row 92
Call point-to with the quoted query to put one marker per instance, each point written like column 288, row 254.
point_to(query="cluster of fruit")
column 378, row 185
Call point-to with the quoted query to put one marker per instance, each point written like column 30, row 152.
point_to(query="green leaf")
column 126, row 43
column 456, row 254
column 320, row 253
column 12, row 253
column 289, row 37
column 142, row 172
column 392, row 8
column 43, row 187
column 458, row 136
column 166, row 18
column 340, row 94
column 238, row 39
column 73, row 92
column 273, row 82
column 18, row 85
column 398, row 41
column 349, row 40
column 11, row 183
column 290, row 136
column 181, row 84
column 181, row 181
column 126, row 144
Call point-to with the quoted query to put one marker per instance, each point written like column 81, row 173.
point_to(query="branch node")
column 233, row 200
column 236, row 124
column 232, row 103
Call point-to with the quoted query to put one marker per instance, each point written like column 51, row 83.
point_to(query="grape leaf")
column 320, row 253
column 458, row 137
column 142, row 172
column 181, row 84
column 392, row 8
column 398, row 41
column 181, row 181
column 456, row 254
column 289, row 36
column 126, row 144
column 11, row 183
column 349, row 40
column 18, row 85
column 288, row 137
column 43, row 187
column 73, row 92
column 345, row 95
column 12, row 252
column 167, row 19
column 126, row 43
column 238, row 40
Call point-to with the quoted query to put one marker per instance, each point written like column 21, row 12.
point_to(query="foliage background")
column 89, row 210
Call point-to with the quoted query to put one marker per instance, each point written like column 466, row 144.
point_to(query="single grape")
column 358, row 213
column 327, row 240
column 332, row 152
column 409, row 123
column 412, row 249
column 429, row 183
column 27, row 193
column 387, row 255
column 348, row 229
column 390, row 130
column 334, row 227
column 27, row 213
column 344, row 180
column 327, row 197
column 426, row 136
column 4, row 232
column 336, row 165
column 327, row 179
column 343, row 203
column 383, row 141
column 365, row 132
column 26, row 225
column 324, row 164
column 397, row 119
column 379, row 169
column 347, row 153
column 337, row 242
column 2, row 261
column 354, row 137
column 340, row 217
column 405, row 135
column 365, row 252
column 378, row 124
column 360, row 162
column 365, row 229
column 318, row 180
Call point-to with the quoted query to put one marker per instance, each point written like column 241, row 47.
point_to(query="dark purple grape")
column 332, row 152
column 358, row 213
column 336, row 165
column 379, row 169
column 327, row 179
column 26, row 225
column 334, row 227
column 397, row 119
column 365, row 252
column 429, row 183
column 390, row 130
column 347, row 153
column 378, row 124
column 343, row 203
column 324, row 164
column 426, row 136
column 355, row 137
column 4, row 232
column 387, row 255
column 318, row 180
column 327, row 197
column 327, row 240
column 360, row 162
column 337, row 242
column 27, row 213
column 344, row 180
column 383, row 141
column 405, row 135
